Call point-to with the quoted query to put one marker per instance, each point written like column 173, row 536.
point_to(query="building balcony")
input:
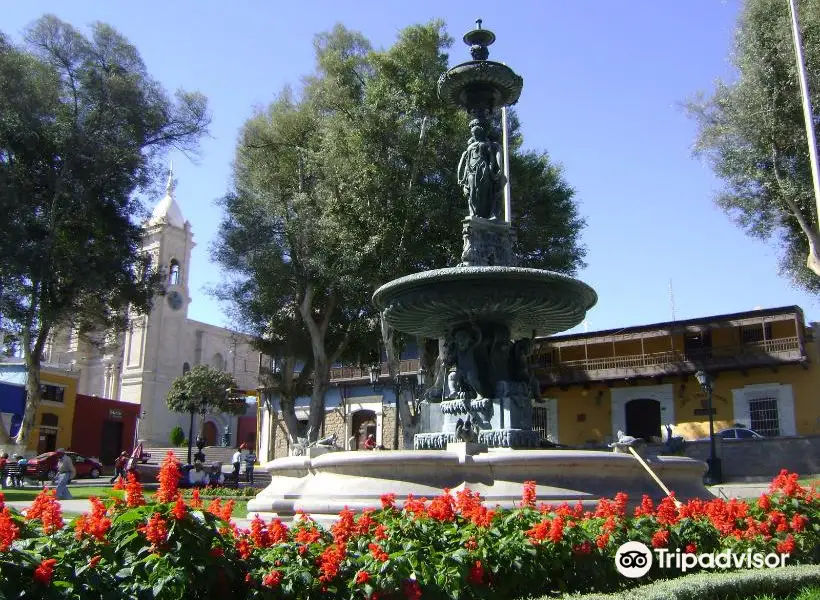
column 765, row 353
column 408, row 366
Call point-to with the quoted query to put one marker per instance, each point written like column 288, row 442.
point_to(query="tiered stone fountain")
column 488, row 310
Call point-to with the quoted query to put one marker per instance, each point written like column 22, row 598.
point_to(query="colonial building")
column 54, row 419
column 138, row 366
column 639, row 379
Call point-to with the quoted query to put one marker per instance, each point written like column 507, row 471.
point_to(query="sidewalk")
column 739, row 490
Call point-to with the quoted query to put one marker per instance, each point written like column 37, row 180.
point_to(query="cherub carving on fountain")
column 480, row 173
column 466, row 345
column 521, row 366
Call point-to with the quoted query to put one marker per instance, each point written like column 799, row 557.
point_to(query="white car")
column 738, row 433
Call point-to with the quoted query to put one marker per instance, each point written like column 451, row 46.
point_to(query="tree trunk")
column 32, row 358
column 321, row 371
column 813, row 260
column 287, row 402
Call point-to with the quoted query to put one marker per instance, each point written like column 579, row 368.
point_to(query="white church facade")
column 138, row 365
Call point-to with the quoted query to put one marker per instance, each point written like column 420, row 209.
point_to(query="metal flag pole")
column 506, row 150
column 807, row 112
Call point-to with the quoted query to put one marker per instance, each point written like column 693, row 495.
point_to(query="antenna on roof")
column 672, row 299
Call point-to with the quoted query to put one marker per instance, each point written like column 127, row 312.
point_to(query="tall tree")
column 351, row 183
column 753, row 132
column 82, row 129
column 204, row 390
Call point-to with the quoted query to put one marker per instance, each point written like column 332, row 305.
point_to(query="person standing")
column 4, row 459
column 250, row 461
column 22, row 464
column 65, row 472
column 119, row 466
column 237, row 464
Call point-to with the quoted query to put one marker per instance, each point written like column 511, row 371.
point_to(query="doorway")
column 364, row 424
column 643, row 418
column 111, row 443
column 209, row 433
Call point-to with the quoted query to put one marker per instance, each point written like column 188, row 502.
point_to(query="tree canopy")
column 752, row 131
column 83, row 127
column 204, row 389
column 349, row 183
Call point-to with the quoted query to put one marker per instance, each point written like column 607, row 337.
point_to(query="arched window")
column 218, row 362
column 185, row 368
column 173, row 274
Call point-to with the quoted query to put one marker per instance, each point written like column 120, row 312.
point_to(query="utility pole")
column 807, row 110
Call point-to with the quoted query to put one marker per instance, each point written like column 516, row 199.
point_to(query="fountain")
column 488, row 311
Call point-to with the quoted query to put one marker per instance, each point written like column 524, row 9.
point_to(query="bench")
column 15, row 471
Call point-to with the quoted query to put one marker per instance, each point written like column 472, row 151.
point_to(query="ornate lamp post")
column 714, row 474
column 375, row 374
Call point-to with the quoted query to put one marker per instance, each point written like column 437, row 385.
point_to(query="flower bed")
column 449, row 547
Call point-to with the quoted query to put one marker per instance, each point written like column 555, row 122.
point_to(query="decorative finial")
column 171, row 185
column 478, row 39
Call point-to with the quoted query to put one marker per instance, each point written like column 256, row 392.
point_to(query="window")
column 185, row 368
column 173, row 273
column 728, row 434
column 698, row 343
column 217, row 362
column 541, row 421
column 752, row 334
column 744, row 434
column 52, row 393
column 764, row 416
column 49, row 420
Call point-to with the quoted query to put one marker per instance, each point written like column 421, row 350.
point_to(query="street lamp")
column 714, row 473
column 375, row 374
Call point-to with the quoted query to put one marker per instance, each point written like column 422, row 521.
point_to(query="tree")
column 83, row 127
column 351, row 183
column 753, row 133
column 204, row 390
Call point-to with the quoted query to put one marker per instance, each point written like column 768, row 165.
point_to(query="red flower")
column 343, row 528
column 799, row 522
column 362, row 577
column 786, row 546
column 155, row 531
column 195, row 500
column 583, row 548
column 243, row 548
column 8, row 530
column 45, row 571
column 215, row 507
column 414, row 506
column 272, row 579
column 471, row 544
column 96, row 524
column 787, row 483
column 621, row 499
column 691, row 548
column 46, row 508
column 765, row 502
column 528, row 496
column 365, row 522
column 227, row 510
column 95, row 560
column 133, row 492
column 217, row 551
column 476, row 576
column 277, row 531
column 388, row 501
column 482, row 517
column 411, row 589
column 667, row 511
column 119, row 484
column 168, row 477
column 180, row 510
column 380, row 533
column 442, row 508
column 308, row 535
column 602, row 540
column 330, row 560
column 377, row 552
column 660, row 539
column 259, row 533
column 647, row 507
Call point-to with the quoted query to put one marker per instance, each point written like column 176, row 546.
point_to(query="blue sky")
column 603, row 85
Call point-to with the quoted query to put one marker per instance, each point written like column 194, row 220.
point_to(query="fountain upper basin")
column 529, row 301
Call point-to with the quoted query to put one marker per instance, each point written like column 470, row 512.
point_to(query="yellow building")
column 54, row 419
column 640, row 379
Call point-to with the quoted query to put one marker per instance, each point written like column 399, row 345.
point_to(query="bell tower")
column 155, row 343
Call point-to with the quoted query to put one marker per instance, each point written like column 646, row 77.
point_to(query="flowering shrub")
column 451, row 546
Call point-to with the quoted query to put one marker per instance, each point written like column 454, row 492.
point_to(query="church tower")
column 154, row 343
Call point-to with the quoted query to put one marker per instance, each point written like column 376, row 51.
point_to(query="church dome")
column 167, row 211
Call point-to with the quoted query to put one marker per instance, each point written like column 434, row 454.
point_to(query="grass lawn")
column 810, row 593
column 810, row 481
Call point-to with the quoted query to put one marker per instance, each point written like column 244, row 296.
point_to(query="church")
column 137, row 366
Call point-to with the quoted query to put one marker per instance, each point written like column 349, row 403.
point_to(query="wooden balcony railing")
column 673, row 361
column 337, row 374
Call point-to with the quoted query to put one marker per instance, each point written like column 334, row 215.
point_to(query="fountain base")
column 323, row 486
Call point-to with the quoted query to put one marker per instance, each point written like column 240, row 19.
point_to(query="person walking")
column 65, row 472
column 250, row 461
column 237, row 464
column 22, row 464
column 119, row 466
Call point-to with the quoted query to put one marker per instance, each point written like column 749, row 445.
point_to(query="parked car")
column 44, row 466
column 736, row 433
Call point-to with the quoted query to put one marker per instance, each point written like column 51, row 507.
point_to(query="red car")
column 45, row 466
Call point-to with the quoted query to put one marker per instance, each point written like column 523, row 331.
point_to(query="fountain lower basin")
column 322, row 486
